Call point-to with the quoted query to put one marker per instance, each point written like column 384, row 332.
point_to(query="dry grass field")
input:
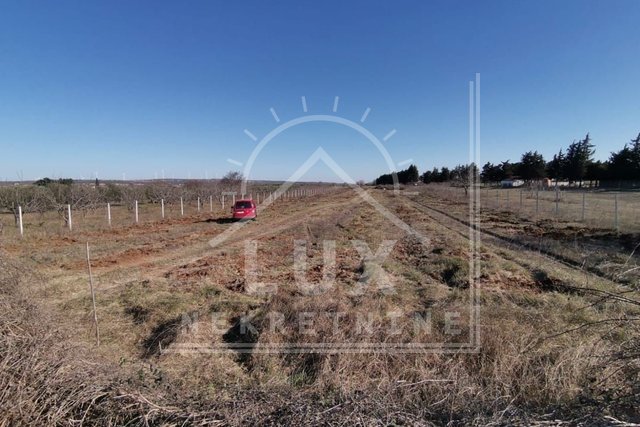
column 557, row 304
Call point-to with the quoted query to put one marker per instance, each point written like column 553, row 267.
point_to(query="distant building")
column 511, row 183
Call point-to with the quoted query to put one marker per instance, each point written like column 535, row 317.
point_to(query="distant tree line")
column 47, row 194
column 575, row 165
column 48, row 181
column 459, row 174
column 407, row 176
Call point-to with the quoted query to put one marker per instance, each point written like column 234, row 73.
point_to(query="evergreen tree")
column 412, row 174
column 579, row 155
column 532, row 166
column 625, row 164
column 507, row 170
column 597, row 171
column 491, row 173
column 445, row 174
column 407, row 176
column 556, row 167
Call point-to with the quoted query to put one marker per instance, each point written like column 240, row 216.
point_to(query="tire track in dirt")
column 270, row 223
column 441, row 217
column 325, row 222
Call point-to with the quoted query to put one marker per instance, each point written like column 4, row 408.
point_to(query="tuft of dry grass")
column 46, row 381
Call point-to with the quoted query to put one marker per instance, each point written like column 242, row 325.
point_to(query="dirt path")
column 571, row 273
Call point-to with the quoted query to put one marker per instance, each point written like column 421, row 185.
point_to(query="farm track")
column 188, row 245
column 332, row 207
column 506, row 243
column 270, row 223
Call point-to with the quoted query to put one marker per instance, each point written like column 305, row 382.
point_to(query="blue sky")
column 149, row 86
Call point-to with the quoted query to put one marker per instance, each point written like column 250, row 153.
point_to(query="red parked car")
column 244, row 209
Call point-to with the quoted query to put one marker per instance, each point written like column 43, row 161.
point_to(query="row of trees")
column 575, row 164
column 458, row 174
column 54, row 195
column 407, row 176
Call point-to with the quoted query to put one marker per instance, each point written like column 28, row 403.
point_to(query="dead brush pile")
column 44, row 381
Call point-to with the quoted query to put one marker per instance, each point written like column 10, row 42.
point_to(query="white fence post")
column 136, row 211
column 70, row 222
column 162, row 207
column 583, row 205
column 557, row 202
column 537, row 201
column 181, row 207
column 198, row 204
column 233, row 200
column 211, row 203
column 20, row 221
column 109, row 214
column 222, row 201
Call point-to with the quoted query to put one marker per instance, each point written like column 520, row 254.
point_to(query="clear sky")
column 141, row 87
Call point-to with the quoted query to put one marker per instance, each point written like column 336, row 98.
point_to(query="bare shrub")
column 110, row 192
column 231, row 181
column 192, row 190
column 29, row 198
column 157, row 191
column 131, row 193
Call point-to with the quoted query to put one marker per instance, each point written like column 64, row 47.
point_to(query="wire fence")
column 610, row 210
column 68, row 221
